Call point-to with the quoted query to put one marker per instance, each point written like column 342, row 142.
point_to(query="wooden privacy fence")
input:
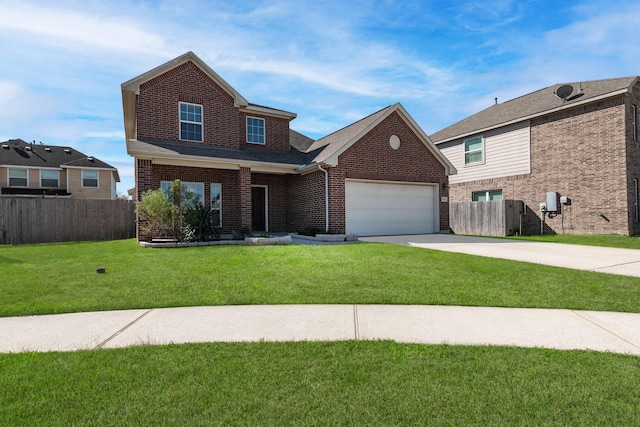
column 494, row 218
column 65, row 220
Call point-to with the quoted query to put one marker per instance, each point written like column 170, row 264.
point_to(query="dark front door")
column 259, row 208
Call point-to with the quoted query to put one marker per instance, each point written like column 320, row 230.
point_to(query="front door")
column 259, row 209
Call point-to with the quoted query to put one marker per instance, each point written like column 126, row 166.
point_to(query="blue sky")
column 332, row 62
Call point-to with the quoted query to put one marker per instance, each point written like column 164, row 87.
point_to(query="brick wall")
column 580, row 153
column 305, row 201
column 223, row 123
column 373, row 158
column 276, row 132
column 157, row 107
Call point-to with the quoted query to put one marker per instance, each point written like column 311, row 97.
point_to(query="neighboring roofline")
column 332, row 160
column 117, row 175
column 628, row 89
column 59, row 168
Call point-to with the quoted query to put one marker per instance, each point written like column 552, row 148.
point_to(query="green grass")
column 56, row 278
column 339, row 383
column 606, row 240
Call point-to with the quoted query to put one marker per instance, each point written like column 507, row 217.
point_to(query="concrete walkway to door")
column 624, row 262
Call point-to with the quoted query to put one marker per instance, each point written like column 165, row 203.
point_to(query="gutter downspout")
column 326, row 197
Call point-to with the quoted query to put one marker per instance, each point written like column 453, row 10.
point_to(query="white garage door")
column 376, row 208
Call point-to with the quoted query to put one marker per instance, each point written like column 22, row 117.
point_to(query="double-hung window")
column 89, row 178
column 18, row 178
column 474, row 151
column 486, row 196
column 255, row 130
column 216, row 204
column 49, row 178
column 190, row 122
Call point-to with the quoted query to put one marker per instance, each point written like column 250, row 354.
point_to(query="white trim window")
column 474, row 151
column 49, row 178
column 196, row 188
column 18, row 177
column 216, row 204
column 190, row 122
column 255, row 130
column 89, row 178
column 486, row 196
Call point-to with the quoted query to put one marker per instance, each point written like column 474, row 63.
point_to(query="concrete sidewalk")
column 559, row 329
column 624, row 262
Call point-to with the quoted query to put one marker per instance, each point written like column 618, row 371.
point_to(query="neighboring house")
column 580, row 140
column 37, row 170
column 380, row 175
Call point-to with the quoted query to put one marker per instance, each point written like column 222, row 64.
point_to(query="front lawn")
column 57, row 278
column 338, row 383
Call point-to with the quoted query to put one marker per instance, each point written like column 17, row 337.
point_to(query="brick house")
column 48, row 171
column 580, row 141
column 379, row 175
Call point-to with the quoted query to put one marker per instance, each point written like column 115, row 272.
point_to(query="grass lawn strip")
column 340, row 383
column 59, row 278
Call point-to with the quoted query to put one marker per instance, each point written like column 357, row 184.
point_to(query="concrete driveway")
column 624, row 262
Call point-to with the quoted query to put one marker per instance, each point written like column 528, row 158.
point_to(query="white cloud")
column 116, row 33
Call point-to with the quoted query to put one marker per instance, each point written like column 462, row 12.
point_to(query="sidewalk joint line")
column 103, row 343
column 615, row 334
column 355, row 322
column 615, row 265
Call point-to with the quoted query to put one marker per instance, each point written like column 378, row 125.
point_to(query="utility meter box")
column 553, row 201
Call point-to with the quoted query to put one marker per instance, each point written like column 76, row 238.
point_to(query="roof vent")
column 90, row 158
column 67, row 150
column 5, row 146
column 47, row 149
column 28, row 148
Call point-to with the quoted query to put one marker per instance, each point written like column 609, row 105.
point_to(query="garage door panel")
column 375, row 208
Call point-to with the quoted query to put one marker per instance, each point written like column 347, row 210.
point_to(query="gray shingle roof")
column 172, row 148
column 332, row 143
column 531, row 105
column 16, row 152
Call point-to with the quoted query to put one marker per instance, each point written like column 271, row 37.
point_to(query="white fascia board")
column 89, row 167
column 533, row 116
column 31, row 167
column 268, row 111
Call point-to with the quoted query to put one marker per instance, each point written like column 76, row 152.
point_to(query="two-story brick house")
column 579, row 140
column 49, row 171
column 380, row 175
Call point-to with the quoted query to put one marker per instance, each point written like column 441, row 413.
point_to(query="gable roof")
column 131, row 88
column 534, row 104
column 16, row 152
column 338, row 142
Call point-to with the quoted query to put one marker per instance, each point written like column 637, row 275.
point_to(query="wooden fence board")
column 65, row 220
column 493, row 218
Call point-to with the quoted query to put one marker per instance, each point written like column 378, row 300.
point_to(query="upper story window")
column 486, row 196
column 49, row 178
column 190, row 122
column 255, row 130
column 18, row 178
column 474, row 151
column 89, row 178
